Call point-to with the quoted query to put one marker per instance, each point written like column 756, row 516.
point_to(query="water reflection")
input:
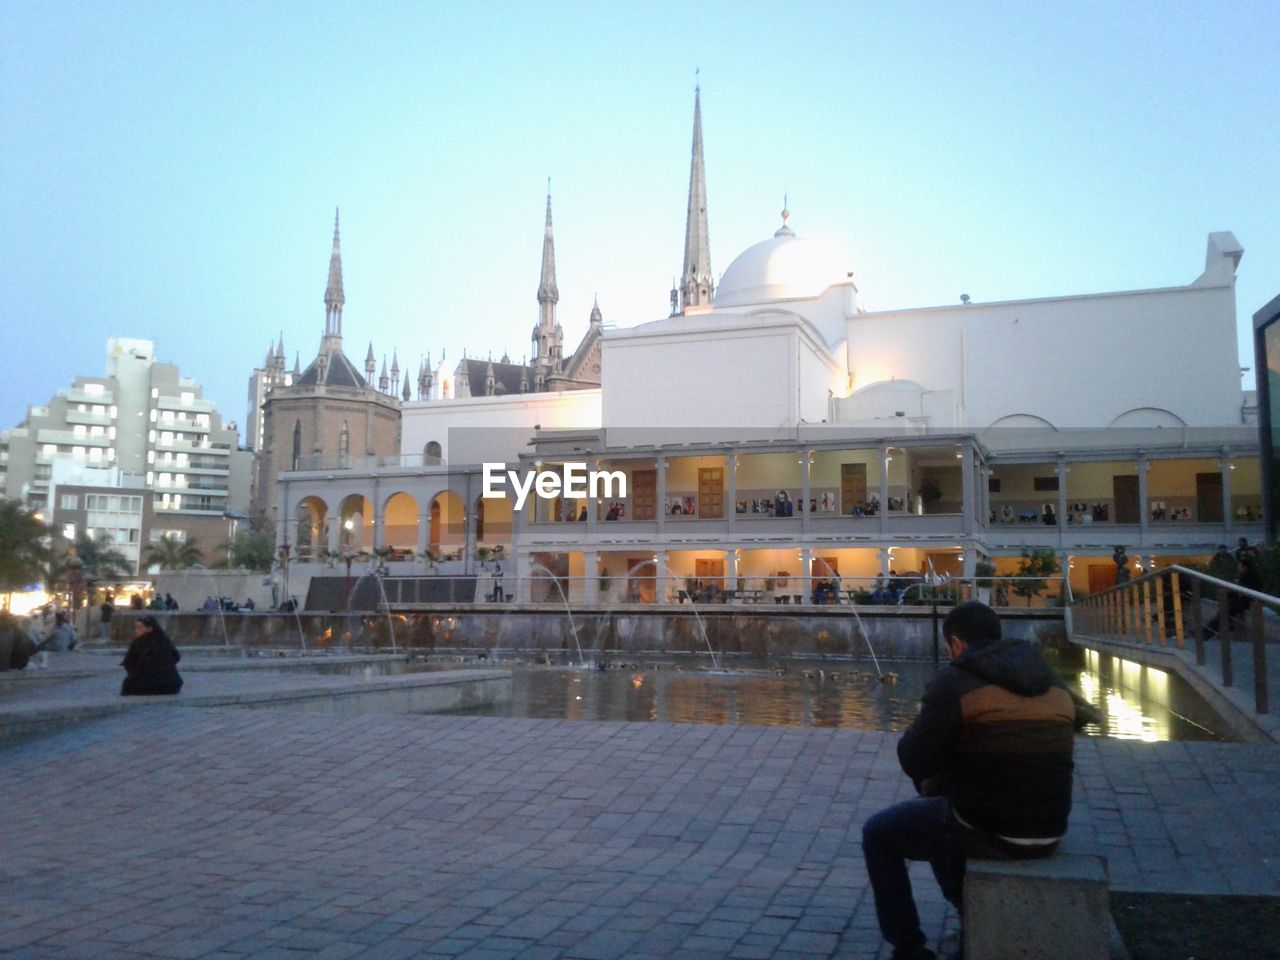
column 1142, row 703
column 1138, row 702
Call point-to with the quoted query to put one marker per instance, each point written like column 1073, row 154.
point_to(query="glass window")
column 70, row 501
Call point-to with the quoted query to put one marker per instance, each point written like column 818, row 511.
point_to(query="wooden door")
column 644, row 495
column 707, row 571
column 1208, row 498
column 853, row 486
column 641, row 580
column 1102, row 576
column 1124, row 488
column 710, row 493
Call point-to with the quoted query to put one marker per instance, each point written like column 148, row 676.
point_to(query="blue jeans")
column 919, row 829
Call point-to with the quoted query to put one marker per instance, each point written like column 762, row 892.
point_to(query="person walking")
column 107, row 610
column 991, row 757
column 151, row 664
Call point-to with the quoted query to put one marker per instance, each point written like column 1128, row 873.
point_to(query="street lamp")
column 284, row 563
column 348, row 557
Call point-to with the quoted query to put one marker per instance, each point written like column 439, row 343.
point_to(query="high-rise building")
column 142, row 421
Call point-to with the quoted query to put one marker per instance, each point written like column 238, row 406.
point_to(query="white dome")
column 784, row 267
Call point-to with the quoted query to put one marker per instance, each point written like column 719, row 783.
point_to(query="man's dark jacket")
column 995, row 734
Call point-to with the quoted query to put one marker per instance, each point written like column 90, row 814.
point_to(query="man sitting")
column 990, row 754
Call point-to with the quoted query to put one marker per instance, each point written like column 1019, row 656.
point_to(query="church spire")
column 547, row 334
column 696, row 286
column 547, row 291
column 333, row 296
column 695, row 283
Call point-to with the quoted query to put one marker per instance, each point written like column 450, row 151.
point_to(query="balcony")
column 71, row 438
column 175, row 403
column 89, row 419
column 106, row 397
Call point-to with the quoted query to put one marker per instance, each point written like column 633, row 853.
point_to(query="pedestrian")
column 1238, row 604
column 991, row 757
column 169, row 602
column 151, row 664
column 61, row 639
column 108, row 610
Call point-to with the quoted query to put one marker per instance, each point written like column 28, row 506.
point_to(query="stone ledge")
column 1056, row 908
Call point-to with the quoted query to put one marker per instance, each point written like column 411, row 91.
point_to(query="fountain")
column 857, row 617
column 215, row 594
column 573, row 627
column 386, row 607
column 702, row 627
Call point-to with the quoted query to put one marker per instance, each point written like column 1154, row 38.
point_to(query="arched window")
column 431, row 453
column 297, row 444
column 344, row 444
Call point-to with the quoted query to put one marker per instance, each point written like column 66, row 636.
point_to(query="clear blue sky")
column 170, row 170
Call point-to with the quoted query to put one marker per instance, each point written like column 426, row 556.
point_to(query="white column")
column 806, row 574
column 661, row 573
column 970, row 501
column 1143, row 467
column 884, row 490
column 661, row 495
column 522, row 569
column 731, row 569
column 731, row 508
column 591, row 574
column 1063, row 471
column 806, row 465
column 1228, row 520
column 424, row 534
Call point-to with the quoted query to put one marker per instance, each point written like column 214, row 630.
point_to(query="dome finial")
column 784, row 230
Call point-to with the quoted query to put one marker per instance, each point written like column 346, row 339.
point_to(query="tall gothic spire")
column 696, row 285
column 547, row 291
column 547, row 335
column 333, row 296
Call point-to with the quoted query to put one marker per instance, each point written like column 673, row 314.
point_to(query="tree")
column 22, row 547
column 170, row 553
column 248, row 551
column 100, row 559
column 1036, row 566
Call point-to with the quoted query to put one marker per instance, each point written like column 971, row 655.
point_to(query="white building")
column 771, row 429
column 142, row 424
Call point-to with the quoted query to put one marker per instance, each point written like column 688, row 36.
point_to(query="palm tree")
column 22, row 547
column 169, row 553
column 100, row 559
column 248, row 551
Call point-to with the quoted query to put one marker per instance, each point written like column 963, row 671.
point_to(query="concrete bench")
column 1057, row 908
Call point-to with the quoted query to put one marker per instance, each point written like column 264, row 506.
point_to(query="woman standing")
column 151, row 665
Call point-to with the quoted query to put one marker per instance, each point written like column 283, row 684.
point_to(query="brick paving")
column 182, row 832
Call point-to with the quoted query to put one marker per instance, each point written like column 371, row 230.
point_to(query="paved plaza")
column 222, row 832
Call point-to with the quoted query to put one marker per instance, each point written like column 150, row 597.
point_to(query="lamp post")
column 348, row 557
column 284, row 563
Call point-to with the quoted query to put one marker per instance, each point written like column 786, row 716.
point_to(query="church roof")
column 339, row 372
column 506, row 376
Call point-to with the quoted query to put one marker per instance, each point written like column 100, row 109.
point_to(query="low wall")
column 895, row 633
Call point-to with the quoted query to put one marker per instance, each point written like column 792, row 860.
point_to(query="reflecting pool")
column 1137, row 702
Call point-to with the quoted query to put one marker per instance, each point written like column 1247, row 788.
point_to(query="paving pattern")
column 181, row 832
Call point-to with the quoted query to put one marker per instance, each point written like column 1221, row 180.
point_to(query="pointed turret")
column 596, row 317
column 489, row 379
column 696, row 286
column 297, row 365
column 424, row 379
column 547, row 337
column 395, row 369
column 384, row 382
column 547, row 291
column 370, row 363
column 280, row 348
column 333, row 295
column 405, row 395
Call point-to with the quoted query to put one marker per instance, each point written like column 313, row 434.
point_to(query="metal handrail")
column 1195, row 574
column 1139, row 610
